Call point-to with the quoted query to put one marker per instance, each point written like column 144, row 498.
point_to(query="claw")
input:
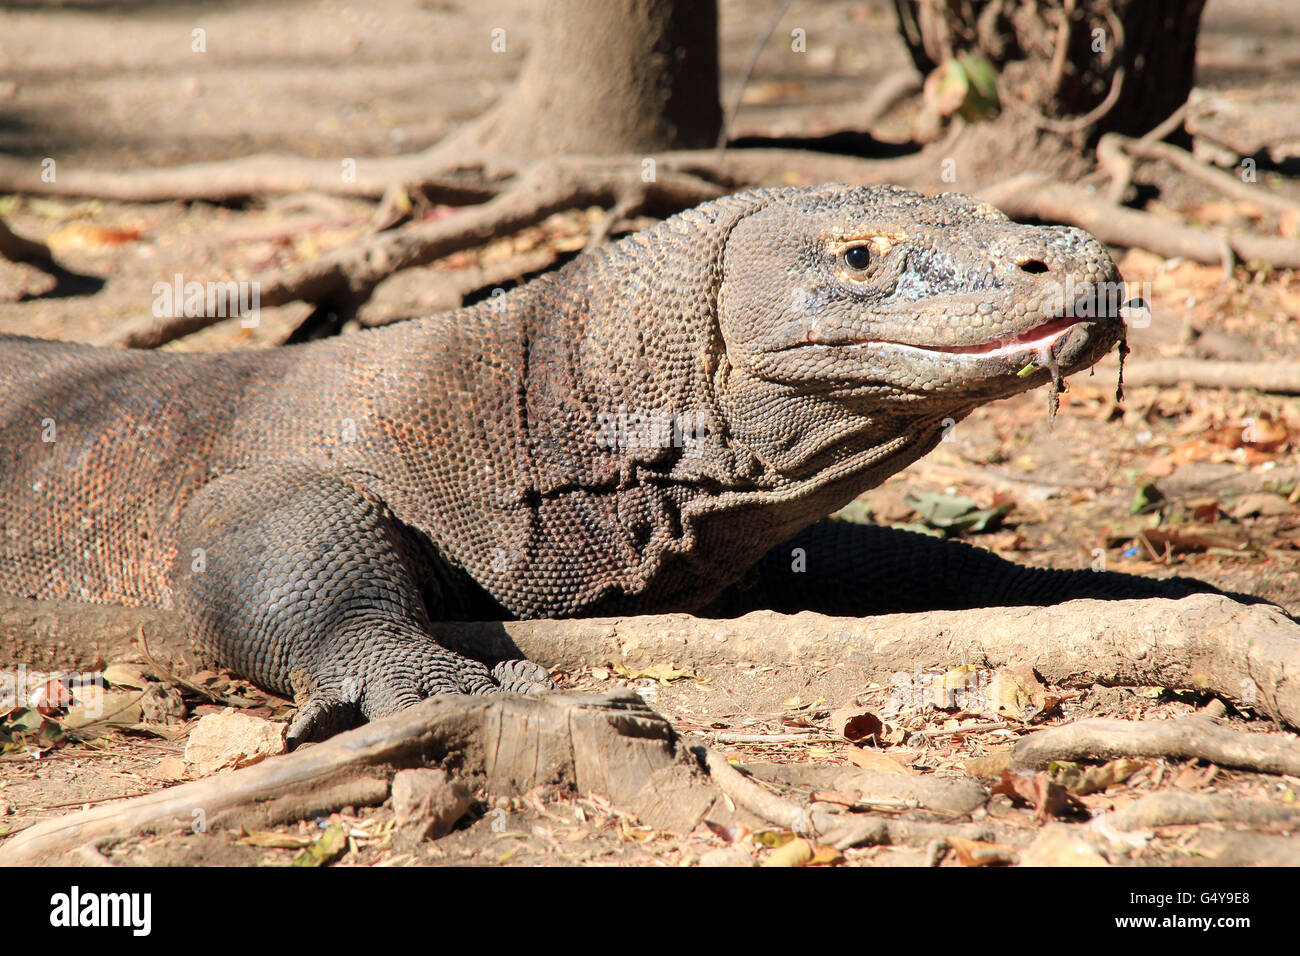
column 318, row 718
column 329, row 706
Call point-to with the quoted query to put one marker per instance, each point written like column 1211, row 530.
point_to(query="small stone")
column 171, row 769
column 1059, row 845
column 427, row 803
column 1261, row 503
column 162, row 705
column 231, row 739
column 726, row 856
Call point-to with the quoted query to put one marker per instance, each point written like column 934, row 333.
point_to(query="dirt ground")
column 118, row 85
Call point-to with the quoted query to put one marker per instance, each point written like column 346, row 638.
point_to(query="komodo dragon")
column 633, row 433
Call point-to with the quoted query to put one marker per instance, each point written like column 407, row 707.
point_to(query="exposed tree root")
column 426, row 291
column 513, row 192
column 609, row 744
column 351, row 272
column 238, row 179
column 1171, row 808
column 1202, row 641
column 745, row 793
column 1282, row 378
column 1246, row 653
column 1145, row 148
column 860, row 830
column 1035, row 196
column 1234, row 848
column 456, row 177
column 274, row 326
column 17, row 249
column 1193, row 737
column 951, row 796
column 841, row 830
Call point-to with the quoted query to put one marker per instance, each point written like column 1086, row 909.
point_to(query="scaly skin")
column 631, row 434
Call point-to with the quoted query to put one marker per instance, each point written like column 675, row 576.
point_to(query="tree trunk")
column 1072, row 70
column 610, row 76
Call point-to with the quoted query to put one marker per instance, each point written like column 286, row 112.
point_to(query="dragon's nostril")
column 1033, row 266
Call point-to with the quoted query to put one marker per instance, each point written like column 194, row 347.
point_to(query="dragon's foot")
column 522, row 677
column 342, row 692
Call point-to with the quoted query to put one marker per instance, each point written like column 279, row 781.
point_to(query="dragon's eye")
column 857, row 258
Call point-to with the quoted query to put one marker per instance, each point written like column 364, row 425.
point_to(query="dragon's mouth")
column 1061, row 343
column 1040, row 337
column 1036, row 339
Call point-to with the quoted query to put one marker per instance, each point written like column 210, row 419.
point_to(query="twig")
column 1119, row 165
column 955, row 731
column 90, row 803
column 260, row 175
column 727, row 738
column 626, row 207
column 1076, row 123
column 433, row 290
column 750, row 796
column 854, row 801
column 729, row 121
column 1166, row 125
column 1282, row 378
column 889, row 831
column 353, row 270
column 167, row 677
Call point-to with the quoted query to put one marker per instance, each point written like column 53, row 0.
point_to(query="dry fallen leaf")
column 1038, row 790
column 1084, row 780
column 663, row 673
column 801, row 852
column 170, row 769
column 976, row 853
column 990, row 765
column 85, row 235
column 855, row 724
column 326, row 850
column 1018, row 694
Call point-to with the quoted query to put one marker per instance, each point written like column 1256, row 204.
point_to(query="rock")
column 171, row 769
column 1059, row 845
column 427, row 804
column 1261, row 503
column 162, row 705
column 231, row 739
column 726, row 856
